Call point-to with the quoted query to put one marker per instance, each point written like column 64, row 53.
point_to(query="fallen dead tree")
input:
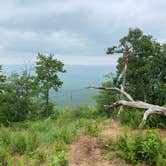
column 150, row 108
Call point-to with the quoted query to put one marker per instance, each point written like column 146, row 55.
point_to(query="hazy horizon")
column 73, row 92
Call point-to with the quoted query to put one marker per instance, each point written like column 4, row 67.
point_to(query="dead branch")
column 150, row 108
column 114, row 88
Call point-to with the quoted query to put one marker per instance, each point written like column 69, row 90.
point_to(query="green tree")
column 47, row 69
column 106, row 97
column 125, row 48
column 144, row 74
column 17, row 98
column 2, row 79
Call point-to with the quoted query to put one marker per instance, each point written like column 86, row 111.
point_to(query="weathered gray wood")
column 150, row 108
column 113, row 88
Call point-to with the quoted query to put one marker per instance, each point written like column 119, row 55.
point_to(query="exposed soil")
column 87, row 150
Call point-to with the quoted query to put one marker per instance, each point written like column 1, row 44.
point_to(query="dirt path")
column 87, row 151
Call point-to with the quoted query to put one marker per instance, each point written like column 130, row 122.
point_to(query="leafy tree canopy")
column 145, row 78
column 47, row 69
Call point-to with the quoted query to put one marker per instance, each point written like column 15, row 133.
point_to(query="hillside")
column 79, row 138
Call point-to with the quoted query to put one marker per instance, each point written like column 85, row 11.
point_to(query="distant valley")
column 77, row 77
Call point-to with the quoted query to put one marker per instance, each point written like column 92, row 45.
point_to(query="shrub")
column 41, row 157
column 132, row 117
column 148, row 148
column 60, row 160
column 18, row 143
column 105, row 98
column 67, row 135
column 60, row 114
column 59, row 146
column 151, row 147
column 61, row 156
column 126, row 150
column 5, row 138
column 92, row 129
column 40, row 126
column 156, row 121
column 82, row 122
column 3, row 157
column 85, row 111
column 31, row 141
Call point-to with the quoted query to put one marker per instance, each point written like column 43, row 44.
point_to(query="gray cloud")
column 74, row 27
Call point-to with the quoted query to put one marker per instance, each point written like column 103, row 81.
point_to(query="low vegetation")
column 46, row 140
column 35, row 132
column 148, row 148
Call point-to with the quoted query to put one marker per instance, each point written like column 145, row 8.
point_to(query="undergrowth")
column 133, row 118
column 139, row 147
column 23, row 143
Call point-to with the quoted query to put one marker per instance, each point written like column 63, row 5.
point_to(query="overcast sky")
column 76, row 31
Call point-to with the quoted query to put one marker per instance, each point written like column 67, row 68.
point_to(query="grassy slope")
column 77, row 138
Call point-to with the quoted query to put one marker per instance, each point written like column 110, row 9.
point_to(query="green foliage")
column 151, row 147
column 31, row 141
column 60, row 160
column 67, row 134
column 112, row 156
column 19, row 93
column 156, row 121
column 47, row 69
column 60, row 114
column 132, row 117
column 60, row 151
column 105, row 98
column 16, row 99
column 26, row 140
column 92, row 129
column 139, row 147
column 145, row 79
column 85, row 111
column 18, row 144
column 5, row 137
column 146, row 59
column 40, row 157
column 2, row 80
column 3, row 157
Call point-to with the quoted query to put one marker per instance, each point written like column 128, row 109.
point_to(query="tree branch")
column 116, row 89
column 150, row 108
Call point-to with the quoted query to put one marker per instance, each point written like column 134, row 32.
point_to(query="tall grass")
column 139, row 147
column 24, row 142
column 133, row 118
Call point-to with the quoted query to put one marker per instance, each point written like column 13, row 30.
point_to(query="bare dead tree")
column 150, row 108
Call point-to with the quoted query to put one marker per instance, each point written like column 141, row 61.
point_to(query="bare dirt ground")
column 87, row 150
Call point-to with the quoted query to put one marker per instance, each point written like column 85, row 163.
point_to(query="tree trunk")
column 150, row 108
column 125, row 57
column 47, row 101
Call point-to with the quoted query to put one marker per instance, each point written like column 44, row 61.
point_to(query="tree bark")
column 47, row 101
column 150, row 108
column 125, row 57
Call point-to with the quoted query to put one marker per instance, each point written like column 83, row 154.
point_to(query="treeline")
column 26, row 96
column 145, row 60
